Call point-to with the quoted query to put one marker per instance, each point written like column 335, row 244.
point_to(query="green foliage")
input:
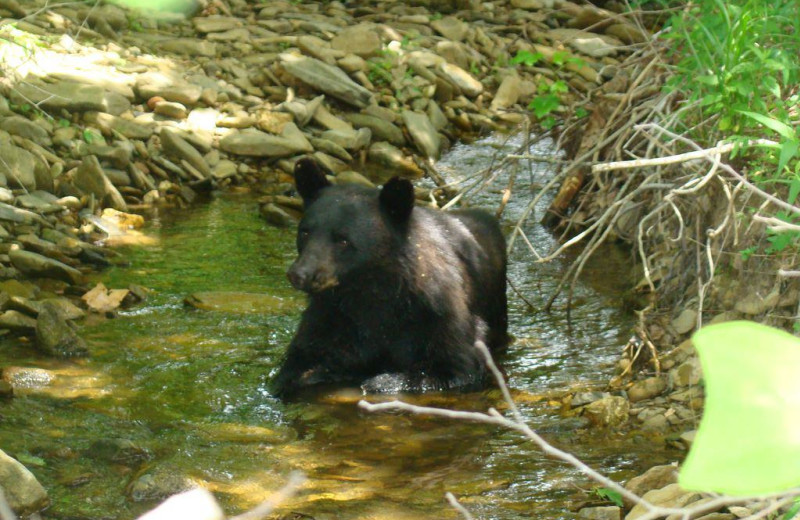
column 749, row 429
column 527, row 58
column 88, row 136
column 610, row 495
column 548, row 101
column 738, row 60
column 793, row 510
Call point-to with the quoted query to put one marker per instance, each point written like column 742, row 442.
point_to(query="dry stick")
column 727, row 168
column 493, row 417
column 458, row 507
column 296, row 479
column 574, row 164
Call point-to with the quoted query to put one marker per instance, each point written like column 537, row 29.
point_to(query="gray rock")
column 18, row 215
column 120, row 451
column 27, row 377
column 37, row 265
column 754, row 303
column 39, row 203
column 179, row 149
column 459, row 77
column 507, row 93
column 423, row 134
column 108, row 123
column 352, row 140
column 361, row 40
column 647, row 389
column 171, row 109
column 24, row 493
column 591, row 44
column 70, row 96
column 55, row 337
column 109, row 14
column 170, row 86
column 351, row 177
column 600, row 513
column 159, row 483
column 685, row 322
column 26, row 128
column 18, row 166
column 17, row 321
column 242, row 302
column 382, row 130
column 654, row 478
column 326, row 78
column 259, row 144
column 393, row 160
column 451, row 28
column 584, row 398
column 454, row 52
column 276, row 215
column 189, row 47
column 224, row 169
column 215, row 23
column 90, row 178
column 330, row 148
column 687, row 373
column 656, row 423
column 670, row 496
column 533, row 5
column 609, row 411
column 117, row 155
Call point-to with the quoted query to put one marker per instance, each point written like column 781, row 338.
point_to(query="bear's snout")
column 310, row 280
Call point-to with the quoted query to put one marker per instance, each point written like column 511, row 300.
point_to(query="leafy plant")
column 548, row 101
column 528, row 58
column 610, row 495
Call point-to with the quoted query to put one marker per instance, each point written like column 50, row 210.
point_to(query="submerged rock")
column 23, row 492
column 242, row 302
column 55, row 337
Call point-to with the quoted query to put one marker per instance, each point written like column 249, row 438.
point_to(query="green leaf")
column 794, row 190
column 559, row 57
column 63, row 123
column 581, row 112
column 609, row 494
column 709, row 80
column 543, row 105
column 526, row 58
column 748, row 435
column 88, row 136
column 779, row 127
column 792, row 511
column 788, row 152
column 559, row 86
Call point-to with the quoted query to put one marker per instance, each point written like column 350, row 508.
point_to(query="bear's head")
column 347, row 231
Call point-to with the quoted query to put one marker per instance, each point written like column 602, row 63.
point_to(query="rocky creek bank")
column 106, row 114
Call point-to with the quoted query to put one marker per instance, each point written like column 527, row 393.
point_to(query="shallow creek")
column 190, row 387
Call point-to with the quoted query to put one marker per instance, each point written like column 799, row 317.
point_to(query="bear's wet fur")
column 393, row 289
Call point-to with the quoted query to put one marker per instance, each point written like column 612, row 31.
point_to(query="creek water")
column 190, row 387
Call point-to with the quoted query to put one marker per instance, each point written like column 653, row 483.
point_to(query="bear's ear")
column 397, row 198
column 309, row 178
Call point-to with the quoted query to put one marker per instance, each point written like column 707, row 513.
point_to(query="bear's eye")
column 342, row 242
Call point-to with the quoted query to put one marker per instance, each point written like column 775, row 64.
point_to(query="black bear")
column 395, row 290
